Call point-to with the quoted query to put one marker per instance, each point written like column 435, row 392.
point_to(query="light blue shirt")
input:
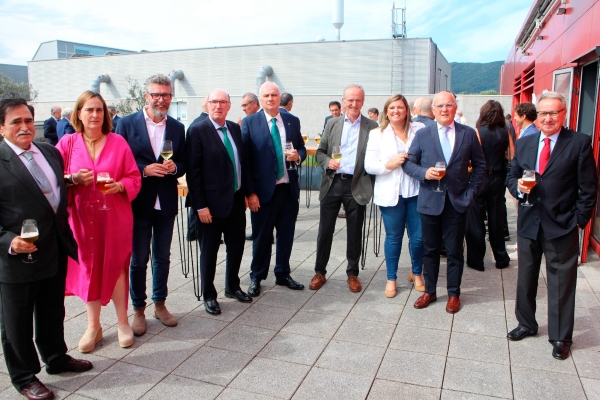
column 530, row 129
column 553, row 139
column 349, row 145
column 238, row 166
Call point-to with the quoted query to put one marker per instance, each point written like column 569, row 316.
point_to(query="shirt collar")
column 346, row 119
column 217, row 126
column 269, row 118
column 450, row 127
column 148, row 119
column 553, row 138
column 33, row 148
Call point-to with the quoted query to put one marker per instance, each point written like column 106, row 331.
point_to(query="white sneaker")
column 514, row 256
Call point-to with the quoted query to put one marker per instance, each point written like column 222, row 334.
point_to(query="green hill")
column 472, row 78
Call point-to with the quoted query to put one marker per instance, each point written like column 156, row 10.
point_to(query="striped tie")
column 41, row 179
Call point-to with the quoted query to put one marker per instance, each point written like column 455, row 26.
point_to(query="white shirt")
column 238, row 166
column 285, row 178
column 349, row 145
column 156, row 133
column 451, row 132
column 553, row 139
column 409, row 186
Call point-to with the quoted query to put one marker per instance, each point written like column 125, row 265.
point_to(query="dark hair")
column 335, row 103
column 285, row 99
column 508, row 117
column 373, row 111
column 528, row 110
column 385, row 121
column 491, row 114
column 8, row 104
column 85, row 96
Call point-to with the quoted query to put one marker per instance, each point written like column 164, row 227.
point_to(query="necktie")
column 445, row 142
column 229, row 148
column 41, row 179
column 544, row 156
column 277, row 143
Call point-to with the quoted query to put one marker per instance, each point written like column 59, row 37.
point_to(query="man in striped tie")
column 561, row 201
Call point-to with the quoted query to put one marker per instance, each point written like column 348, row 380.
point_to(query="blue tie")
column 445, row 142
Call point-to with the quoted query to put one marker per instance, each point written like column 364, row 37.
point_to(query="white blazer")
column 380, row 149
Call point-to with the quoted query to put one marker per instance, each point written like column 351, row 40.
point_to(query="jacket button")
column 538, row 199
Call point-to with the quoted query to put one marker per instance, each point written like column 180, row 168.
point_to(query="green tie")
column 229, row 148
column 277, row 144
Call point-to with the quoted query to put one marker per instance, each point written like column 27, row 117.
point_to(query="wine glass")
column 336, row 153
column 529, row 182
column 30, row 233
column 440, row 166
column 101, row 180
column 166, row 151
column 289, row 147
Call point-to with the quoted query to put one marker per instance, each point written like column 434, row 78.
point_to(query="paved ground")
column 334, row 344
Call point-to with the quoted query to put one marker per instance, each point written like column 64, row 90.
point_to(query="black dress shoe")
column 519, row 333
column 249, row 237
column 560, row 350
column 254, row 289
column 212, row 307
column 73, row 365
column 239, row 295
column 289, row 283
column 476, row 268
column 36, row 390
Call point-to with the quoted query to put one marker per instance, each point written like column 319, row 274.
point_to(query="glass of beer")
column 29, row 233
column 440, row 166
column 336, row 153
column 166, row 151
column 528, row 182
column 101, row 180
column 305, row 138
column 289, row 147
column 318, row 138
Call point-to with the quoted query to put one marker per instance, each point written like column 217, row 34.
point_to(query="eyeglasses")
column 215, row 102
column 248, row 103
column 442, row 106
column 165, row 96
column 553, row 114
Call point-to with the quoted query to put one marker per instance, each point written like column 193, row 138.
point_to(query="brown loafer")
column 354, row 284
column 453, row 305
column 424, row 300
column 317, row 282
column 36, row 390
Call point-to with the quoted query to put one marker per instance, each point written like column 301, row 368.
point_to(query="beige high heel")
column 125, row 335
column 89, row 339
column 389, row 291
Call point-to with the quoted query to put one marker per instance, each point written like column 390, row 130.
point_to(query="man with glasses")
column 155, row 207
column 562, row 201
column 216, row 163
column 444, row 212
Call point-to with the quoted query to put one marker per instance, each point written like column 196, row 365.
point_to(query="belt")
column 344, row 176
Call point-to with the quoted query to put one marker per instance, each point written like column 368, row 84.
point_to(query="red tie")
column 544, row 156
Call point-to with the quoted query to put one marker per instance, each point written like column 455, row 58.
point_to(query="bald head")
column 205, row 104
column 218, row 106
column 417, row 106
column 444, row 108
column 270, row 98
column 426, row 104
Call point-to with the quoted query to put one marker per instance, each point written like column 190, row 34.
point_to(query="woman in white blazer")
column 396, row 192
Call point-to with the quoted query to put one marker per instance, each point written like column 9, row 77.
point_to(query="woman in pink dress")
column 104, row 236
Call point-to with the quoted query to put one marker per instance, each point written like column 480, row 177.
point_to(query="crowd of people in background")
column 103, row 191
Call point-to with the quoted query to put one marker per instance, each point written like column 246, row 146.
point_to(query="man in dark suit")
column 203, row 115
column 562, row 202
column 335, row 108
column 525, row 116
column 287, row 102
column 27, row 172
column 216, row 164
column 444, row 213
column 64, row 127
column 272, row 186
column 50, row 125
column 424, row 111
column 155, row 207
column 115, row 117
column 344, row 182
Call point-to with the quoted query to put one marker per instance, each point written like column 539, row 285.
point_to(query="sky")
column 465, row 31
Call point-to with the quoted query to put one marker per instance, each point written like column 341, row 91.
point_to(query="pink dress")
column 104, row 237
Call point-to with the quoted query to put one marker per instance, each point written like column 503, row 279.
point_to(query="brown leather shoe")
column 317, row 282
column 36, row 390
column 161, row 313
column 453, row 305
column 354, row 284
column 424, row 300
column 139, row 321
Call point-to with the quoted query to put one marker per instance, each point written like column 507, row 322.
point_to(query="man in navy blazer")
column 562, row 203
column 64, row 127
column 216, row 164
column 272, row 186
column 444, row 213
column 155, row 207
column 50, row 125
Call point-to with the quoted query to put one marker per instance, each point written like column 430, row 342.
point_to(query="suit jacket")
column 201, row 117
column 362, row 182
column 530, row 130
column 209, row 168
column 565, row 195
column 133, row 129
column 424, row 119
column 262, row 163
column 64, row 127
column 50, row 131
column 426, row 150
column 22, row 199
column 115, row 122
column 327, row 118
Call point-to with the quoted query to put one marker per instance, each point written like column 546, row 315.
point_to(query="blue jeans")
column 403, row 214
column 158, row 230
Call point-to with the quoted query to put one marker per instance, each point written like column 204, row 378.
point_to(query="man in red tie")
column 562, row 201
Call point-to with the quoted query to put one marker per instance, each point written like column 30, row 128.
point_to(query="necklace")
column 90, row 144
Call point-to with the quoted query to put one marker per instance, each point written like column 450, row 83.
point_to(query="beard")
column 158, row 113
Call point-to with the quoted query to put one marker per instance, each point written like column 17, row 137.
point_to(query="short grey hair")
column 53, row 109
column 66, row 112
column 553, row 95
column 112, row 108
column 158, row 79
column 250, row 96
column 353, row 85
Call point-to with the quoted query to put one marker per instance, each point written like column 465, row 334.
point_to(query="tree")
column 135, row 99
column 490, row 92
column 11, row 90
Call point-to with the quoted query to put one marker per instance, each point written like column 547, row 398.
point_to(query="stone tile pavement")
column 334, row 344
